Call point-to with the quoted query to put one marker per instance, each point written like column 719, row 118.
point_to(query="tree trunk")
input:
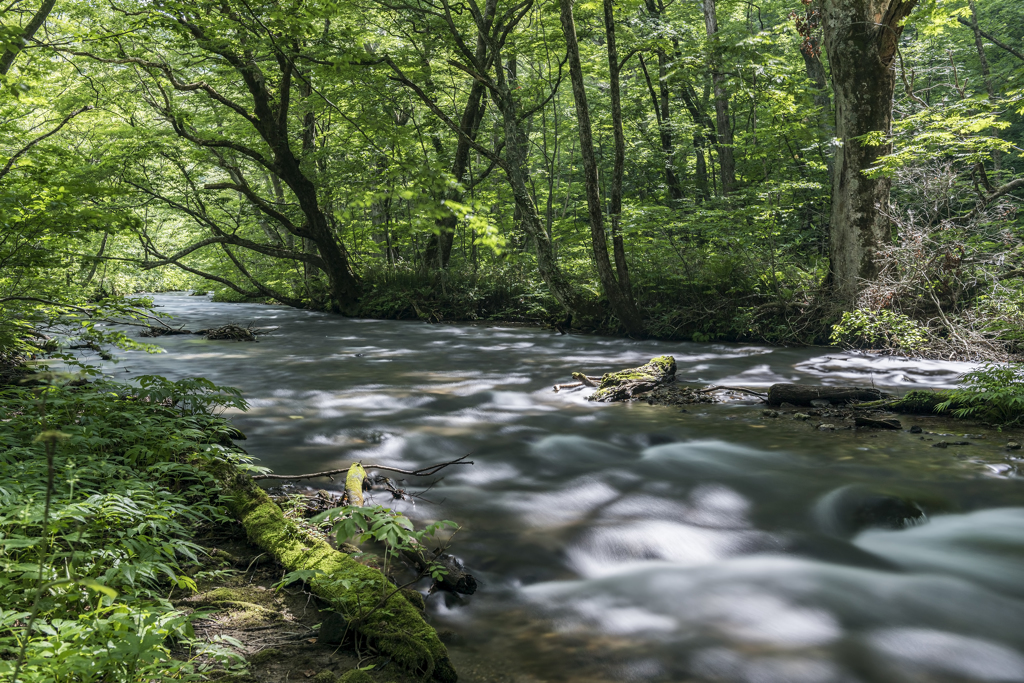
column 816, row 75
column 662, row 109
column 726, row 163
column 986, row 73
column 517, row 171
column 618, row 169
column 861, row 39
column 801, row 395
column 14, row 49
column 621, row 303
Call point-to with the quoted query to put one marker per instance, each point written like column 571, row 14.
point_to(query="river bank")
column 125, row 515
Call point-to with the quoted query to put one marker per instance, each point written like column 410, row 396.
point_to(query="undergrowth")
column 102, row 489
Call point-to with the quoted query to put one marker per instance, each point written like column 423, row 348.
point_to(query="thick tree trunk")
column 621, row 303
column 517, row 171
column 861, row 40
column 726, row 162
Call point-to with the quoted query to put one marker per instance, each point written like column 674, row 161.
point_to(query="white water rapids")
column 639, row 543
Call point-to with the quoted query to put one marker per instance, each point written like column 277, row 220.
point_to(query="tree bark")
column 12, row 52
column 861, row 40
column 662, row 109
column 816, row 75
column 621, row 303
column 619, row 165
column 726, row 162
column 801, row 395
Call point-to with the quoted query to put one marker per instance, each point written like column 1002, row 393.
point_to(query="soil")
column 275, row 630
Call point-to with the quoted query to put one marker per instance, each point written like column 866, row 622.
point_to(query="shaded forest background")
column 781, row 171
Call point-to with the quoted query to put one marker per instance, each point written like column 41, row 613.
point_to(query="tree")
column 618, row 296
column 861, row 39
column 226, row 84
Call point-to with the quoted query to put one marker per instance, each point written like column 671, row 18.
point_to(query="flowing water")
column 640, row 543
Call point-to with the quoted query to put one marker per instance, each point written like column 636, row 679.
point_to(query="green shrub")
column 993, row 392
column 884, row 330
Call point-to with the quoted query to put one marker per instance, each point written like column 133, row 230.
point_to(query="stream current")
column 629, row 542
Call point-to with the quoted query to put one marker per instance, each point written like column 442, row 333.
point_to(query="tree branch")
column 17, row 155
column 995, row 40
column 422, row 472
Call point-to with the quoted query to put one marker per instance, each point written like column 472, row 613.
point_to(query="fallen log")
column 623, row 385
column 403, row 635
column 805, row 395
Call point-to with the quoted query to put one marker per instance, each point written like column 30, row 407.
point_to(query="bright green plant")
column 993, row 392
column 101, row 497
column 884, row 330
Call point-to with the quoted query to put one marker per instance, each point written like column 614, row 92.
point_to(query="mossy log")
column 397, row 629
column 803, row 395
column 623, row 385
column 917, row 402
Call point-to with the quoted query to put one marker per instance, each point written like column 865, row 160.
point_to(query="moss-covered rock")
column 264, row 656
column 355, row 676
column 325, row 676
column 396, row 628
column 624, row 384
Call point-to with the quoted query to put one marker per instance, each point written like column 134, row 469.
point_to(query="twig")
column 422, row 472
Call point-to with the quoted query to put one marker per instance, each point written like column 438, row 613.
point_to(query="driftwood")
column 158, row 331
column 804, row 395
column 581, row 381
column 623, row 385
column 739, row 390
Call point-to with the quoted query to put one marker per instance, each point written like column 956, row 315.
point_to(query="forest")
column 790, row 173
column 703, row 171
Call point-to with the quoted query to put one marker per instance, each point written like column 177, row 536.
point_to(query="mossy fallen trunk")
column 918, row 402
column 805, row 395
column 397, row 629
column 623, row 385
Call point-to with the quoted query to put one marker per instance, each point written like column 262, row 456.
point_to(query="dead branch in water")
column 741, row 390
column 422, row 472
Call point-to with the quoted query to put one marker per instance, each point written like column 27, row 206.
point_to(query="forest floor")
column 275, row 629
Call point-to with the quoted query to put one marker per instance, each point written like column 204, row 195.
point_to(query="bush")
column 884, row 330
column 993, row 392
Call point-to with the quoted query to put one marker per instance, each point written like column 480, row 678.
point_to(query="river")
column 639, row 543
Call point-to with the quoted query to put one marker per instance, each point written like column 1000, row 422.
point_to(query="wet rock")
column 1012, row 446
column 821, row 403
column 826, row 428
column 770, row 413
column 333, row 629
column 801, row 416
column 851, row 509
column 877, row 424
column 947, row 444
column 916, row 430
column 940, row 444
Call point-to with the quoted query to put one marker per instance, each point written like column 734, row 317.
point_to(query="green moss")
column 264, row 656
column 397, row 628
column 355, row 676
column 658, row 370
column 325, row 676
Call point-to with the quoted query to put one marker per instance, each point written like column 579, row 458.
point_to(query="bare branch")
column 422, row 472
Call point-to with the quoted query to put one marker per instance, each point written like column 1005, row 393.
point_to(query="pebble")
column 826, row 428
column 801, row 416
